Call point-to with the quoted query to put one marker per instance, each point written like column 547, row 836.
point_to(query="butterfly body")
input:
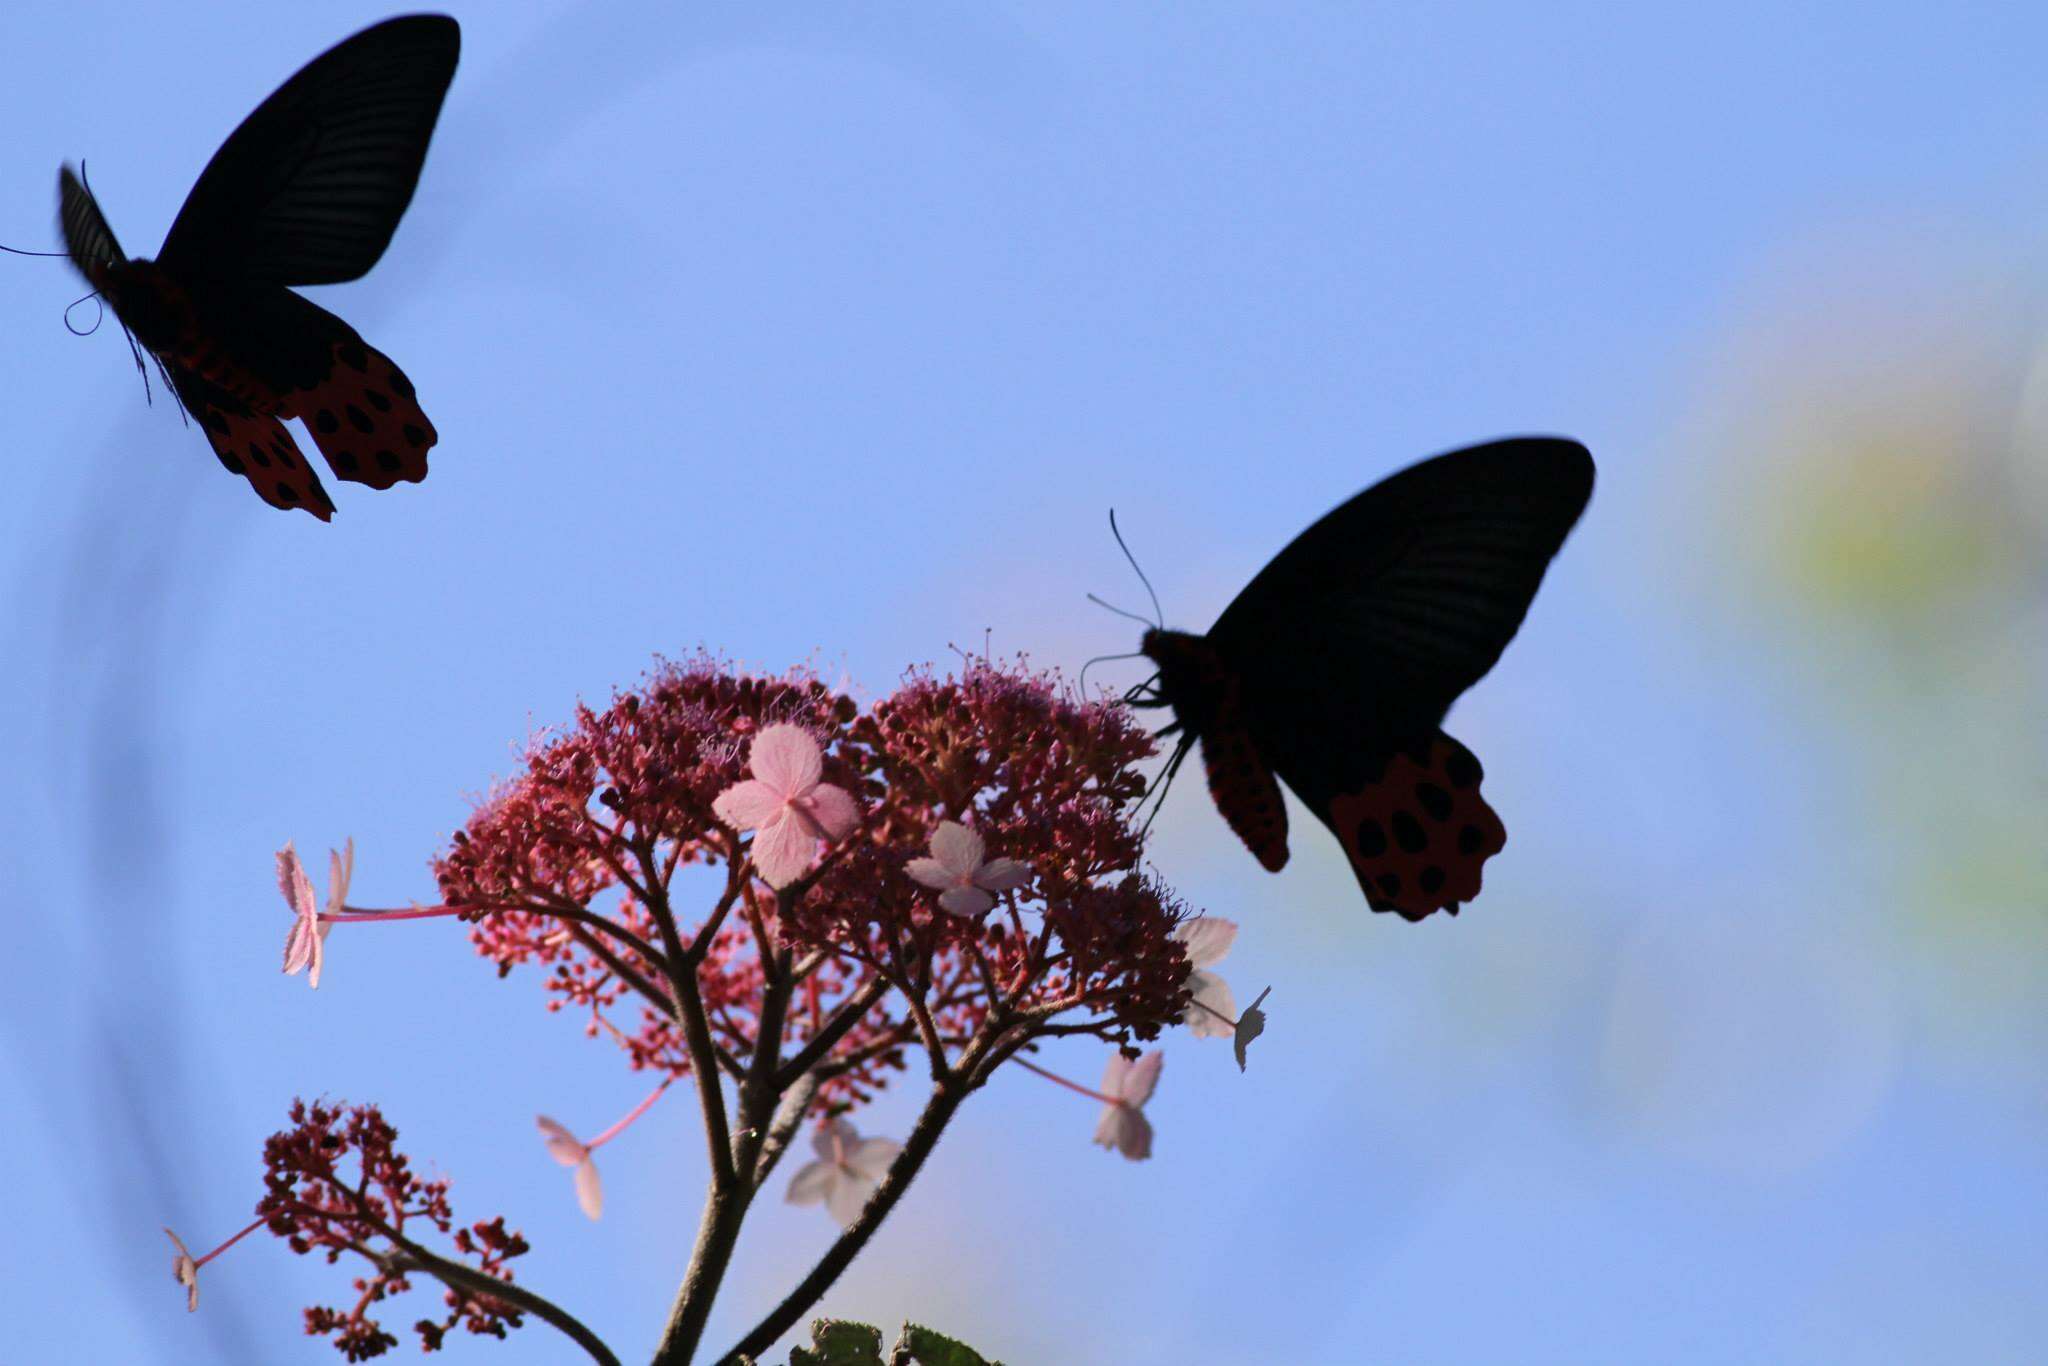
column 1332, row 671
column 308, row 190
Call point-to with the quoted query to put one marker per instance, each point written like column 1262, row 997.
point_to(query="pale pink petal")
column 784, row 851
column 747, row 805
column 293, row 882
column 341, row 869
column 1141, row 1080
column 787, row 759
column 1002, row 874
column 1113, row 1075
column 833, row 809
column 849, row 1194
column 589, row 1190
column 831, row 1139
column 298, row 947
column 318, row 958
column 813, row 1181
column 1206, row 940
column 966, row 901
column 958, row 848
column 1220, row 1017
column 1134, row 1140
column 1109, row 1127
column 562, row 1145
column 931, row 873
column 871, row 1157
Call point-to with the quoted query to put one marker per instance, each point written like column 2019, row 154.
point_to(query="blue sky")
column 828, row 333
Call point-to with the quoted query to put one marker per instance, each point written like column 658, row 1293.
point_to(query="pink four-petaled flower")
column 786, row 804
column 304, row 946
column 964, row 882
column 1127, row 1085
column 572, row 1151
column 846, row 1173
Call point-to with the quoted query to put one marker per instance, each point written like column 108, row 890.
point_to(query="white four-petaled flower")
column 572, row 1151
column 304, row 945
column 966, row 885
column 1127, row 1085
column 846, row 1172
column 786, row 804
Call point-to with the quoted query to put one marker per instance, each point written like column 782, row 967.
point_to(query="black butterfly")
column 1336, row 664
column 308, row 191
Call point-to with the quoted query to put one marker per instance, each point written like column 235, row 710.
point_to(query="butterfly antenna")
column 17, row 251
column 1103, row 659
column 1158, row 613
column 98, row 318
column 1142, row 621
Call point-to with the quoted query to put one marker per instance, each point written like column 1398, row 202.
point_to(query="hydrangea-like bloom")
column 847, row 1170
column 305, row 945
column 787, row 804
column 956, row 870
column 185, row 1271
column 1127, row 1085
column 1212, row 1010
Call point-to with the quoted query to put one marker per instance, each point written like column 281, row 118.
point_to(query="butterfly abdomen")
column 1416, row 829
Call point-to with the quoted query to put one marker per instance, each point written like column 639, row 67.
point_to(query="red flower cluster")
column 574, row 866
column 335, row 1182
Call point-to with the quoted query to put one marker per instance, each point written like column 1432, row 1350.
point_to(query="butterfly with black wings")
column 307, row 191
column 1334, row 667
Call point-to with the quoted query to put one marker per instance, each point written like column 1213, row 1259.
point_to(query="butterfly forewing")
column 86, row 234
column 309, row 189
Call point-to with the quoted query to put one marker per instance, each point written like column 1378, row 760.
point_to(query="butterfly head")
column 1192, row 679
column 147, row 302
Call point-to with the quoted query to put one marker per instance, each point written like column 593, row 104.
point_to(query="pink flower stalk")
column 786, row 804
column 572, row 1152
column 304, row 946
column 964, row 882
column 185, row 1267
column 847, row 1170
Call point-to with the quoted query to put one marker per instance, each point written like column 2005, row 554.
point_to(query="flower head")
column 786, row 804
column 1128, row 1085
column 846, row 1172
column 1212, row 1010
column 964, row 882
column 571, row 1151
column 185, row 1270
column 304, row 945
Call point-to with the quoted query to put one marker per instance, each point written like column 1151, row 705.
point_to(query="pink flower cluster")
column 872, row 848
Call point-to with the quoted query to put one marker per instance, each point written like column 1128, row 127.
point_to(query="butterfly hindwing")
column 252, row 444
column 310, row 187
column 1415, row 828
column 1245, row 791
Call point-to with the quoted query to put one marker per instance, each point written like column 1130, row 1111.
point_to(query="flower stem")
column 1030, row 1066
column 638, row 1110
column 260, row 1221
column 917, row 1147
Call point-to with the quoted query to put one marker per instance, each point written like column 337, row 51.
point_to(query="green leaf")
column 922, row 1347
column 835, row 1342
